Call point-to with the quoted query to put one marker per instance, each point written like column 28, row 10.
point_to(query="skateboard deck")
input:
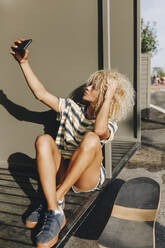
column 132, row 221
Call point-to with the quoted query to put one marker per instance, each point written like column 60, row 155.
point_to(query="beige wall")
column 63, row 54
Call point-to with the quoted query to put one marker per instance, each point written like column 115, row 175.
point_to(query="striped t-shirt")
column 74, row 125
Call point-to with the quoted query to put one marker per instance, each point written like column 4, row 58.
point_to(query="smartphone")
column 22, row 46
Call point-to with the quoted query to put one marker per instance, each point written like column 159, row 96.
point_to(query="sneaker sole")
column 53, row 241
column 30, row 224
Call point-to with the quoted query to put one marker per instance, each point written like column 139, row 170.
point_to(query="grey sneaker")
column 52, row 225
column 33, row 218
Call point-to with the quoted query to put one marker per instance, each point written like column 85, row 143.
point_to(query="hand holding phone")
column 21, row 46
column 19, row 51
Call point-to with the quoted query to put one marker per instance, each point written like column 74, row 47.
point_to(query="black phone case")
column 22, row 46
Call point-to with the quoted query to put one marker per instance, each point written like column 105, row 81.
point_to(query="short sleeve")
column 112, row 126
column 65, row 105
column 62, row 104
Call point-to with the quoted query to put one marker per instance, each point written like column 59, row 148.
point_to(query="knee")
column 43, row 141
column 91, row 141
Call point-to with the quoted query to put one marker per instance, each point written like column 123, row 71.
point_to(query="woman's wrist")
column 23, row 64
column 24, row 61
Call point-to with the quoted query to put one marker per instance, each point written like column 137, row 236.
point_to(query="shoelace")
column 38, row 210
column 47, row 222
column 44, row 224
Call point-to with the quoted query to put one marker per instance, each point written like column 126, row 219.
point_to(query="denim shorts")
column 99, row 183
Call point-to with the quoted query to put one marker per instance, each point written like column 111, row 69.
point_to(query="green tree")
column 158, row 71
column 149, row 42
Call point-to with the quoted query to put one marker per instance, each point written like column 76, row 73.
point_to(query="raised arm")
column 101, row 123
column 33, row 82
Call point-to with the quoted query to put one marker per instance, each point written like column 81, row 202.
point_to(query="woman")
column 75, row 157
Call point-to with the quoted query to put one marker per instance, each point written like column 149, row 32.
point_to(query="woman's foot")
column 34, row 217
column 53, row 222
column 37, row 214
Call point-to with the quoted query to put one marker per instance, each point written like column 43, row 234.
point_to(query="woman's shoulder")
column 70, row 104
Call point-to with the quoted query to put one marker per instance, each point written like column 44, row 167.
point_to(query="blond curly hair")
column 123, row 99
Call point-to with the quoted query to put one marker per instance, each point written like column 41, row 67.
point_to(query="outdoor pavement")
column 148, row 161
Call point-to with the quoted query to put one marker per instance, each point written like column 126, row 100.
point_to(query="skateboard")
column 132, row 221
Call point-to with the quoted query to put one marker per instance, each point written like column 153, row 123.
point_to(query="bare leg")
column 84, row 167
column 62, row 172
column 48, row 162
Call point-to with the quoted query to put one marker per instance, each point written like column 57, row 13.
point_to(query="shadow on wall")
column 46, row 118
column 77, row 94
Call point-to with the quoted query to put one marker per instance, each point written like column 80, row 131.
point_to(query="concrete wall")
column 145, row 81
column 63, row 53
